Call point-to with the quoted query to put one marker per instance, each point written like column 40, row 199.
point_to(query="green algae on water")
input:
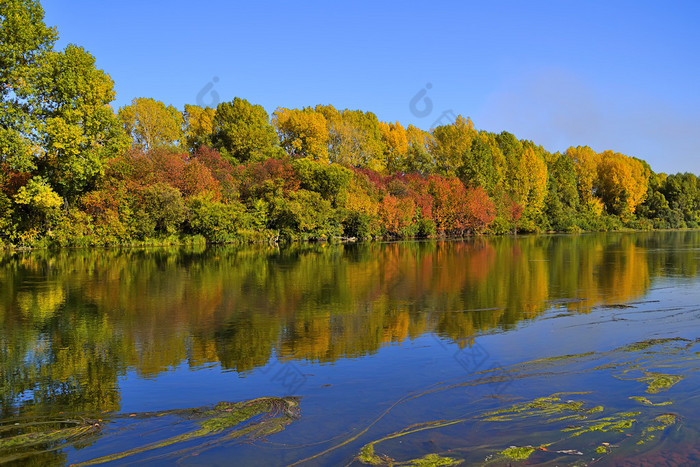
column 253, row 419
column 369, row 457
column 433, row 460
column 659, row 382
column 518, row 453
column 643, row 345
column 645, row 401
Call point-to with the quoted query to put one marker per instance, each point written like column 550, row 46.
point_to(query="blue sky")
column 621, row 75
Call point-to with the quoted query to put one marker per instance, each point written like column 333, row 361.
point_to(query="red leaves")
column 397, row 214
column 449, row 209
column 12, row 180
column 481, row 210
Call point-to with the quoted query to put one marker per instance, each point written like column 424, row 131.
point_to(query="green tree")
column 24, row 42
column 330, row 181
column 418, row 157
column 55, row 117
column 243, row 132
column 151, row 124
column 482, row 163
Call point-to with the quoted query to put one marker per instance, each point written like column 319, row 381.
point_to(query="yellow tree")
column 530, row 184
column 395, row 144
column 451, row 142
column 586, row 166
column 199, row 126
column 151, row 124
column 303, row 133
column 621, row 183
column 354, row 138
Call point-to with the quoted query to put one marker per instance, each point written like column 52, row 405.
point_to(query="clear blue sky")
column 621, row 75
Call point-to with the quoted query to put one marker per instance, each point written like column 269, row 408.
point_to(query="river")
column 544, row 350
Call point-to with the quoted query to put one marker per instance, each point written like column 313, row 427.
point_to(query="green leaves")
column 55, row 118
column 242, row 131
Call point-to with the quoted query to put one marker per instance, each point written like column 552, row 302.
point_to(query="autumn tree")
column 354, row 138
column 199, row 126
column 242, row 131
column 395, row 145
column 480, row 209
column 450, row 144
column 449, row 208
column 40, row 200
column 586, row 166
column 529, row 187
column 621, row 183
column 151, row 124
column 397, row 215
column 303, row 133
column 418, row 157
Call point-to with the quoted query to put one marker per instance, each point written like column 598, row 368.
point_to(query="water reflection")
column 73, row 322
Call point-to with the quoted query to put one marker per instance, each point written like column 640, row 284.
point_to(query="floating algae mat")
column 624, row 407
column 201, row 428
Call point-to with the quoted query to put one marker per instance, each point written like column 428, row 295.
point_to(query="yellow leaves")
column 151, row 124
column 65, row 138
column 451, row 142
column 199, row 123
column 303, row 133
column 39, row 195
column 609, row 179
column 358, row 200
column 622, row 183
column 530, row 184
column 586, row 166
column 596, row 206
column 395, row 142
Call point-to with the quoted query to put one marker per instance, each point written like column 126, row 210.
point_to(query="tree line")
column 75, row 172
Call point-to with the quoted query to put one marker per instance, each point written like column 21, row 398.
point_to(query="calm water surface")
column 581, row 347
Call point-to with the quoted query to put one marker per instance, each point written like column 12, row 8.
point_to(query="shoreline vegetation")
column 76, row 173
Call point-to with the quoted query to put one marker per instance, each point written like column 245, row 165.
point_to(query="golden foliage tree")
column 586, row 167
column 450, row 144
column 395, row 144
column 530, row 183
column 303, row 133
column 199, row 125
column 151, row 124
column 621, row 183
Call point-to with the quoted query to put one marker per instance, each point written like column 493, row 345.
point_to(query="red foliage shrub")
column 449, row 207
column 11, row 180
column 481, row 210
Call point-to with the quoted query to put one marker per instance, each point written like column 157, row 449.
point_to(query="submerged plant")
column 29, row 437
column 562, row 417
column 645, row 401
column 253, row 419
column 658, row 382
column 518, row 453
